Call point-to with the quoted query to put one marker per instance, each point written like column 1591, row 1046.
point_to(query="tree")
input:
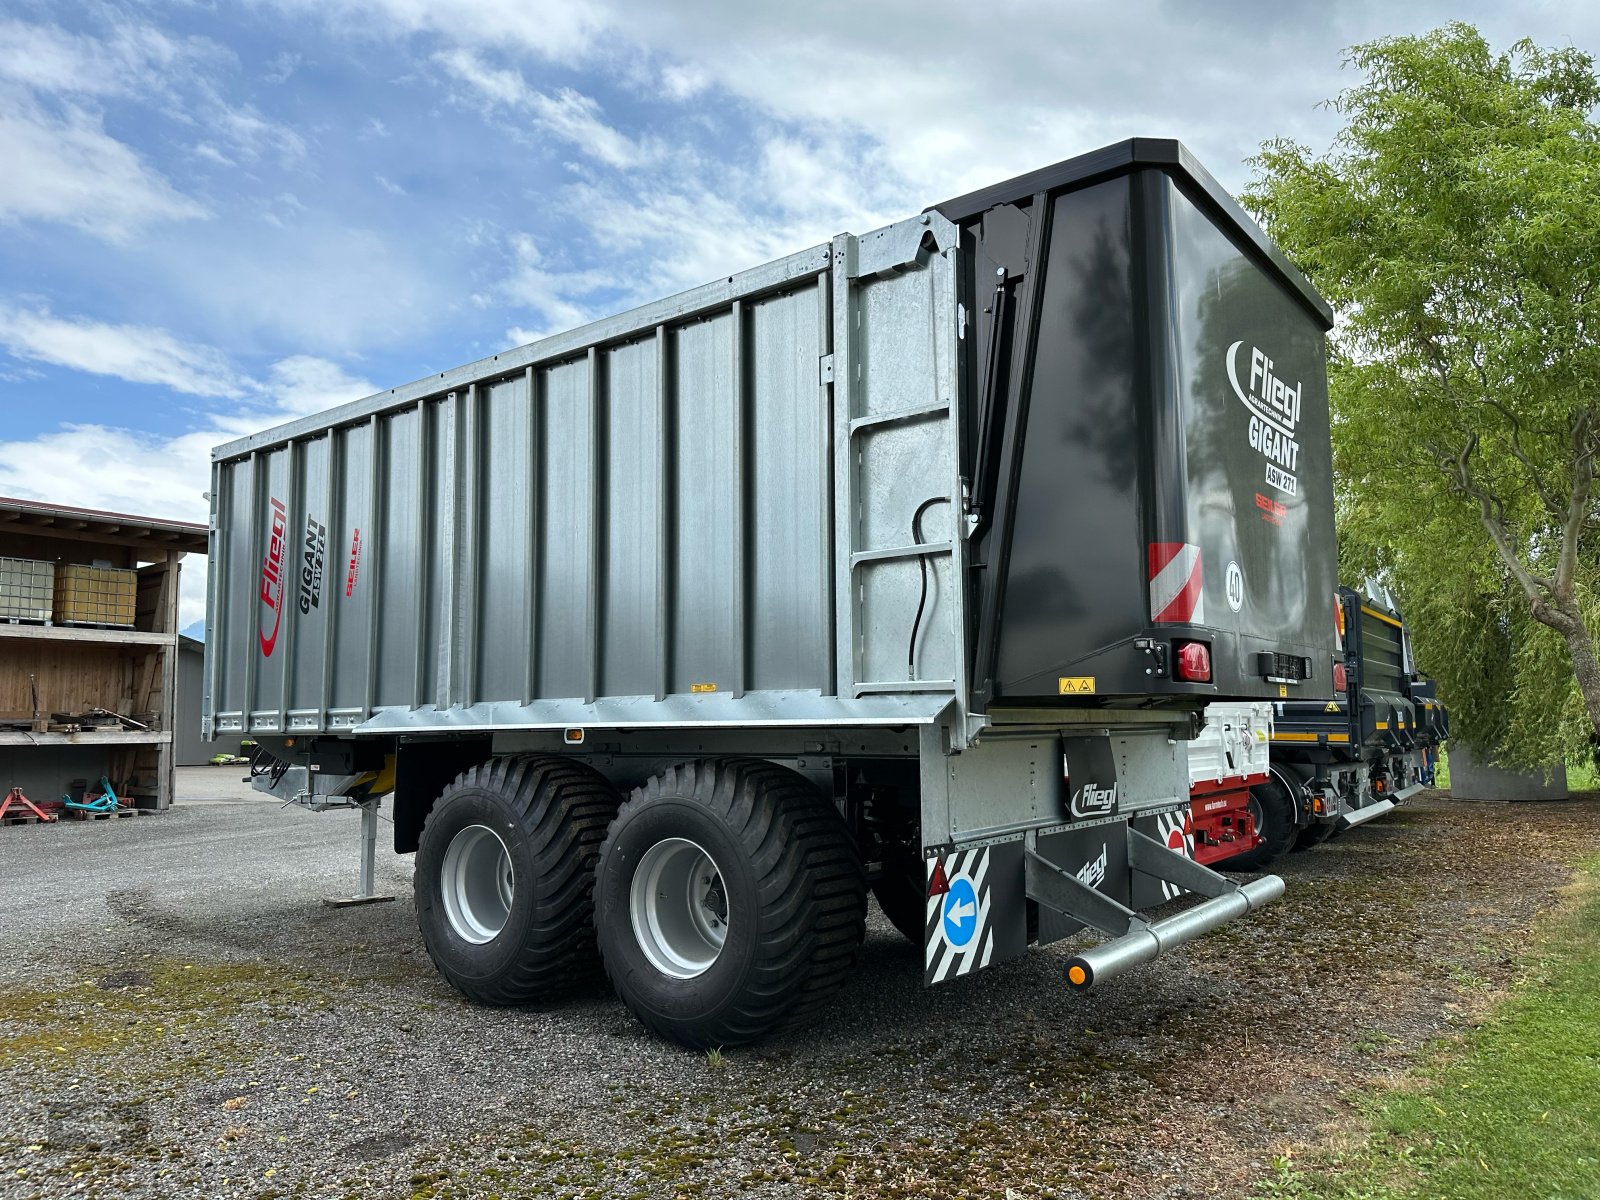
column 1455, row 226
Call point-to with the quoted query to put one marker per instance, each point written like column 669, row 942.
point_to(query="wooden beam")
column 74, row 633
column 105, row 737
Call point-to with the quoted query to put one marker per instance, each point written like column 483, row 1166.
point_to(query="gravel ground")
column 182, row 1017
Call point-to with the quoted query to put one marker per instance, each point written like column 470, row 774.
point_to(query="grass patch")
column 1513, row 1109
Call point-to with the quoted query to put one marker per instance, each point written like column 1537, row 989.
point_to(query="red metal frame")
column 15, row 795
column 1219, row 818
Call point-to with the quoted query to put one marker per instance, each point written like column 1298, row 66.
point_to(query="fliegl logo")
column 1093, row 801
column 1093, row 873
column 1274, row 407
column 272, row 579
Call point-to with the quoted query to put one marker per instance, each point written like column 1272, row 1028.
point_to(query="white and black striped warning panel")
column 976, row 911
column 1172, row 830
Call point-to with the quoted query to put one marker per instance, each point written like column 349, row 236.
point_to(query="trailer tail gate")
column 1155, row 375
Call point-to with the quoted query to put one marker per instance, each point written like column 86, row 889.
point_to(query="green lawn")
column 1511, row 1110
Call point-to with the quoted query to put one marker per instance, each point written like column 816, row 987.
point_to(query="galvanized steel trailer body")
column 964, row 519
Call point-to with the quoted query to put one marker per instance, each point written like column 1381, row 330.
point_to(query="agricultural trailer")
column 905, row 562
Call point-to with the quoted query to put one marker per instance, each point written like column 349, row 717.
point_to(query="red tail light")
column 1341, row 681
column 1194, row 662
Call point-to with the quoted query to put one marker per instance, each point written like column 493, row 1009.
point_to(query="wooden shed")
column 83, row 697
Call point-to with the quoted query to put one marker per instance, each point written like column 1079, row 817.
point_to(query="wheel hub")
column 477, row 884
column 678, row 904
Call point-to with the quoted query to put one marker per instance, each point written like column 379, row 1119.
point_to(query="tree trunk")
column 1569, row 624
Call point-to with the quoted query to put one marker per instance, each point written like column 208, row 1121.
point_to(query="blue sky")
column 216, row 216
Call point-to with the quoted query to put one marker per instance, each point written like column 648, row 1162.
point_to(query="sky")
column 217, row 216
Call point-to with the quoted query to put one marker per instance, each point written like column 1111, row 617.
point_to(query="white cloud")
column 209, row 152
column 283, row 271
column 46, row 58
column 554, row 30
column 304, row 384
column 61, row 163
column 567, row 115
column 68, row 169
column 138, row 354
column 168, row 476
column 561, row 298
column 251, row 135
column 281, row 67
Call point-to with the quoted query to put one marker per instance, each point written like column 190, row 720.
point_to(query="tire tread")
column 565, row 808
column 809, row 884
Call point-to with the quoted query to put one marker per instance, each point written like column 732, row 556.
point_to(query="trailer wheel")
column 1273, row 813
column 1314, row 835
column 505, row 877
column 729, row 901
column 902, row 892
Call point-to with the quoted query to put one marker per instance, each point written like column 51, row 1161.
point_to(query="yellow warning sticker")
column 1283, row 691
column 702, row 687
column 1076, row 685
column 1333, row 706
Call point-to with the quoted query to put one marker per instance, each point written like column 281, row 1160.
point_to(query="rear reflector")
column 1340, row 679
column 1194, row 662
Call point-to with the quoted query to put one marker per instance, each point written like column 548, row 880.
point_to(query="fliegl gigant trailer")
column 906, row 561
column 1345, row 762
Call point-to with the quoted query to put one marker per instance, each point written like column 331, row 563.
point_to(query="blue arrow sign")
column 960, row 913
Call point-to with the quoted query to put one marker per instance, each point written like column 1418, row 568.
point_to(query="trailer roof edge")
column 770, row 276
column 1167, row 154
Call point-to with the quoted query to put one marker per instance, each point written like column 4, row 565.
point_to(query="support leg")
column 369, row 854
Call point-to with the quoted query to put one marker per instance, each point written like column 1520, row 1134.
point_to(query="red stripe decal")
column 1161, row 553
column 1183, row 605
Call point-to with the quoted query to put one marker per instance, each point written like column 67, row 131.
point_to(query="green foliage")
column 1455, row 226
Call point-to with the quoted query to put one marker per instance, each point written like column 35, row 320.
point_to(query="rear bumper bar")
column 1156, row 938
column 1360, row 816
column 1135, row 940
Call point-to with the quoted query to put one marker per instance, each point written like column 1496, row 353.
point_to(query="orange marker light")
column 1078, row 975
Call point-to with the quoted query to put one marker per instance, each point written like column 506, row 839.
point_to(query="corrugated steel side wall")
column 691, row 507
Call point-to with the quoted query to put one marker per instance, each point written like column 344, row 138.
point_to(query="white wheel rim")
column 478, row 883
column 679, row 908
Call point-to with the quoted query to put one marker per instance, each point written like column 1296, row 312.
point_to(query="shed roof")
column 32, row 516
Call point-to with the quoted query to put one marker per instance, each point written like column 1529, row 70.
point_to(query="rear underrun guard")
column 1350, row 818
column 1135, row 940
